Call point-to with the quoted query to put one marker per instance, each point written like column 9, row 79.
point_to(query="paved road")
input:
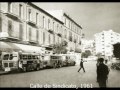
column 62, row 77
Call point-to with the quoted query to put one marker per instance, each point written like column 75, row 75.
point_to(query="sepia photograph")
column 59, row 45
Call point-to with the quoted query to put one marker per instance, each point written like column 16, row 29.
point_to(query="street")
column 65, row 76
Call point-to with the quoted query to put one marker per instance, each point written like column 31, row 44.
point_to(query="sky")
column 94, row 17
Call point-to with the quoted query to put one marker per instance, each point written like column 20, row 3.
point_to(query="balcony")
column 59, row 35
column 13, row 16
column 75, row 41
column 32, row 23
column 32, row 42
column 51, row 31
column 7, row 37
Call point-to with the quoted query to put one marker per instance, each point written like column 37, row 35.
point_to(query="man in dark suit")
column 81, row 66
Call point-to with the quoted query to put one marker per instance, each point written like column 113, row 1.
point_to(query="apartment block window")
column 0, row 24
column 21, row 11
column 69, row 24
column 9, row 7
column 29, row 14
column 43, row 37
column 48, row 23
column 61, row 30
column 49, row 39
column 10, row 27
column 30, row 33
column 65, row 21
column 36, row 18
column 37, row 35
column 57, row 28
column 53, row 26
column 53, row 39
column 43, row 22
column 21, row 31
column 65, row 33
column 70, row 36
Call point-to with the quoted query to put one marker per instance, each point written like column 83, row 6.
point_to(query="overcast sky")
column 92, row 16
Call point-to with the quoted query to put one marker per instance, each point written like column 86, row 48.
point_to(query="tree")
column 99, row 54
column 86, row 54
column 60, row 48
column 116, row 50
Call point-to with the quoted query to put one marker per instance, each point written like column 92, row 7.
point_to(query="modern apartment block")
column 25, row 26
column 87, row 45
column 104, row 42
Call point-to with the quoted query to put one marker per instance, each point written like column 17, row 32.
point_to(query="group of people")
column 102, row 71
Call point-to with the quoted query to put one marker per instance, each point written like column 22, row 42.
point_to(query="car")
column 92, row 58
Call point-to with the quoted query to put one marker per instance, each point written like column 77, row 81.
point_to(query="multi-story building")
column 72, row 30
column 25, row 26
column 104, row 42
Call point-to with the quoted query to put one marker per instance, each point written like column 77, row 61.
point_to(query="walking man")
column 81, row 66
column 102, row 73
column 97, row 64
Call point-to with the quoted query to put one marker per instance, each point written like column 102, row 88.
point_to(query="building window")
column 65, row 33
column 49, row 39
column 53, row 26
column 10, row 27
column 0, row 24
column 53, row 39
column 43, row 37
column 43, row 22
column 9, row 7
column 61, row 30
column 30, row 33
column 70, row 36
column 21, row 31
column 36, row 18
column 48, row 23
column 21, row 11
column 57, row 28
column 29, row 14
column 37, row 35
column 65, row 21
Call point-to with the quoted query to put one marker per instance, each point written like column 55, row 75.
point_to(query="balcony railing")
column 59, row 34
column 33, row 42
column 32, row 23
column 8, row 37
column 51, row 31
column 13, row 16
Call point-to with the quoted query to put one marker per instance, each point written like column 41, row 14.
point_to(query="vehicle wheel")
column 37, row 68
column 28, row 68
column 60, row 65
column 24, row 69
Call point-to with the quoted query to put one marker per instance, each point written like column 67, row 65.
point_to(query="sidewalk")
column 3, row 72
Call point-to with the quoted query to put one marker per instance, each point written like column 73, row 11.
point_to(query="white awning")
column 7, row 46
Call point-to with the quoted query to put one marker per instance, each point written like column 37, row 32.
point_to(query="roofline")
column 72, row 20
column 40, row 9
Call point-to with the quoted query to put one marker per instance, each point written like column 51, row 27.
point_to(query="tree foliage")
column 116, row 50
column 86, row 54
column 99, row 54
column 60, row 48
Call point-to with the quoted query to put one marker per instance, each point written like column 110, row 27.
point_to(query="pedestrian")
column 102, row 73
column 97, row 64
column 81, row 66
column 106, row 61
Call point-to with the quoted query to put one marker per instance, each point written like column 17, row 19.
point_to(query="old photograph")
column 59, row 45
